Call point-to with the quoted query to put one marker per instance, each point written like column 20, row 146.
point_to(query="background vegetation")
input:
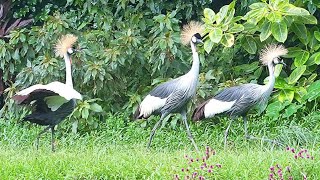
column 133, row 45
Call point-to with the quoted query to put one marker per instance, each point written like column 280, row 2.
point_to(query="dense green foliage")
column 134, row 45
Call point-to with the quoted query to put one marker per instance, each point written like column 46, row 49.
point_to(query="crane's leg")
column 52, row 139
column 184, row 117
column 38, row 137
column 153, row 131
column 256, row 138
column 245, row 127
column 226, row 133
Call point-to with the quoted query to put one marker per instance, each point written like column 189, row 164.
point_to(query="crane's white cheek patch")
column 150, row 104
column 215, row 107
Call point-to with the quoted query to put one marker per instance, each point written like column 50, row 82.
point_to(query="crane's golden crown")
column 65, row 42
column 189, row 30
column 272, row 51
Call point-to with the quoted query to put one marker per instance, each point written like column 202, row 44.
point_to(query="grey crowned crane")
column 173, row 96
column 238, row 100
column 52, row 102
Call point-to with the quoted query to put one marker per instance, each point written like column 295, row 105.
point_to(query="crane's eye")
column 70, row 51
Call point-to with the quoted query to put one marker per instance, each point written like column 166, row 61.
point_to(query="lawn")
column 120, row 153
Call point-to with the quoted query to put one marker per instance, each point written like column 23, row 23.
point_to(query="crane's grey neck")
column 68, row 70
column 196, row 62
column 272, row 78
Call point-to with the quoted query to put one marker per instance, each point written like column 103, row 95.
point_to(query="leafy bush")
column 134, row 45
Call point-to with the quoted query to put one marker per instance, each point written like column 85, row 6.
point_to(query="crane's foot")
column 249, row 137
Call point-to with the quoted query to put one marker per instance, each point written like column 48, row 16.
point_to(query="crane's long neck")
column 272, row 79
column 68, row 70
column 196, row 62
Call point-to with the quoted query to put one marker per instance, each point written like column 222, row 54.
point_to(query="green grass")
column 117, row 151
column 136, row 162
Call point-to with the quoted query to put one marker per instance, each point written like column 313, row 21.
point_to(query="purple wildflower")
column 272, row 168
column 182, row 169
column 219, row 165
column 271, row 176
column 295, row 156
column 288, row 148
column 292, row 150
column 290, row 178
column 211, row 166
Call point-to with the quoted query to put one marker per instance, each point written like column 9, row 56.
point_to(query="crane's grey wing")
column 165, row 89
column 155, row 100
column 244, row 97
column 234, row 101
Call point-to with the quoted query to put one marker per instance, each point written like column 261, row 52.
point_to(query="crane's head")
column 270, row 55
column 191, row 32
column 276, row 61
column 65, row 45
column 196, row 38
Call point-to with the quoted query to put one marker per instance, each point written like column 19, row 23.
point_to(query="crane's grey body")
column 238, row 100
column 172, row 97
column 245, row 96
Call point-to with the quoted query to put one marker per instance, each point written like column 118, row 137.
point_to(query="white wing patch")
column 150, row 104
column 215, row 107
column 54, row 102
column 65, row 91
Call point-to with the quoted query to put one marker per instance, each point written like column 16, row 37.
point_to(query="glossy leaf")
column 296, row 74
column 227, row 40
column 300, row 30
column 209, row 14
column 301, row 58
column 208, row 46
column 265, row 30
column 249, row 44
column 279, row 31
column 215, row 35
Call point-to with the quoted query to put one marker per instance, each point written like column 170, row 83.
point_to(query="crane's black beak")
column 281, row 62
column 80, row 49
column 199, row 41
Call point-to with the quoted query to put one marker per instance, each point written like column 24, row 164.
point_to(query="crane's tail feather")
column 136, row 114
column 198, row 113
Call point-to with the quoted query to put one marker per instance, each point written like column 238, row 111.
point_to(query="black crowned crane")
column 173, row 96
column 238, row 100
column 52, row 102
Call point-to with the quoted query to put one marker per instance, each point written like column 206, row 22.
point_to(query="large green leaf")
column 209, row 14
column 291, row 109
column 265, row 30
column 235, row 28
column 279, row 31
column 301, row 58
column 300, row 30
column 274, row 16
column 227, row 40
column 208, row 46
column 215, row 34
column 317, row 35
column 308, row 19
column 315, row 59
column 258, row 5
column 296, row 74
column 290, row 9
column 286, row 95
column 249, row 44
column 313, row 91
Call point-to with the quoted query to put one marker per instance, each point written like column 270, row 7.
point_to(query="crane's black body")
column 43, row 115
